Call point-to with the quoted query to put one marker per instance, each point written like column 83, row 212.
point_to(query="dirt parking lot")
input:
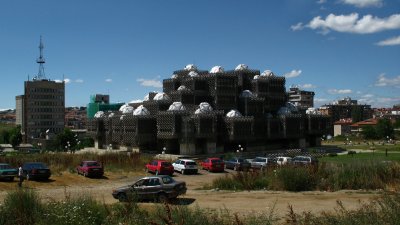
column 70, row 184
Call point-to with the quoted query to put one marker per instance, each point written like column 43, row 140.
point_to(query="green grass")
column 362, row 157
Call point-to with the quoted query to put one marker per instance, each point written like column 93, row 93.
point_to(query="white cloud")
column 293, row 73
column 78, row 81
column 321, row 1
column 353, row 24
column 307, row 86
column 150, row 83
column 297, row 27
column 340, row 91
column 108, row 80
column 367, row 96
column 383, row 81
column 67, row 80
column 364, row 3
column 390, row 41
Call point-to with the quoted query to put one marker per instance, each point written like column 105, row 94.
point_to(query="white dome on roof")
column 141, row 111
column 241, row 67
column 233, row 113
column 99, row 114
column 161, row 96
column 126, row 109
column 289, row 108
column 217, row 69
column 176, row 106
column 111, row 115
column 256, row 77
column 182, row 88
column 204, row 107
column 267, row 73
column 190, row 67
column 174, row 76
column 193, row 74
column 246, row 94
column 312, row 111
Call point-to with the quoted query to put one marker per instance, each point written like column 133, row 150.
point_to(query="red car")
column 90, row 169
column 213, row 165
column 160, row 167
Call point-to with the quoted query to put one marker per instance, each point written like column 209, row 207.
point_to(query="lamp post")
column 164, row 149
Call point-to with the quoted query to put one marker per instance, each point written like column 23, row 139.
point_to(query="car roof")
column 187, row 160
column 213, row 158
column 159, row 176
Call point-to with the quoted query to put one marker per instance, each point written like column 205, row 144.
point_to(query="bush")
column 21, row 207
column 297, row 178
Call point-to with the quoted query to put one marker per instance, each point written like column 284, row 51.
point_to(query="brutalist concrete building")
column 207, row 112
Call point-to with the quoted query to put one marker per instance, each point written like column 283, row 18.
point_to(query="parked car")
column 160, row 167
column 304, row 160
column 261, row 163
column 185, row 166
column 237, row 164
column 7, row 172
column 90, row 169
column 282, row 160
column 35, row 170
column 161, row 188
column 213, row 165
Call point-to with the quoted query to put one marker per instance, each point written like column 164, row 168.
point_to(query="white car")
column 185, row 166
column 281, row 160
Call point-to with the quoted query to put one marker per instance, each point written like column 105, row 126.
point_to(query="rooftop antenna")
column 41, row 61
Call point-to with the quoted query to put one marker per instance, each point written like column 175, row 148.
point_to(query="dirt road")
column 68, row 184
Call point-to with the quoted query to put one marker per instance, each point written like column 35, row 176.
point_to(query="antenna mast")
column 41, row 61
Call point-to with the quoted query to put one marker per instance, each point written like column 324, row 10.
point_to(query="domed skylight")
column 190, row 67
column 141, row 111
column 161, row 96
column 267, row 73
column 193, row 74
column 99, row 114
column 176, row 106
column 204, row 107
column 246, row 94
column 217, row 69
column 233, row 113
column 289, row 108
column 182, row 88
column 241, row 67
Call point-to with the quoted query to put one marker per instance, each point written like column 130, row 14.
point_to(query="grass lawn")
column 362, row 157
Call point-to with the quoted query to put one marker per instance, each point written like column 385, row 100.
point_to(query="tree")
column 369, row 132
column 15, row 136
column 384, row 129
column 65, row 141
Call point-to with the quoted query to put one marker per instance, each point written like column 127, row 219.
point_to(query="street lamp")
column 164, row 150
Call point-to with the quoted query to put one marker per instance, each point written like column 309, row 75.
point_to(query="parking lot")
column 70, row 184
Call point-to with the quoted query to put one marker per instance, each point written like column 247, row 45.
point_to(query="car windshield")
column 5, row 166
column 168, row 180
column 93, row 164
column 165, row 164
column 240, row 160
column 191, row 163
column 216, row 161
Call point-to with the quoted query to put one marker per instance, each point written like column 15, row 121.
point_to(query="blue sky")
column 336, row 48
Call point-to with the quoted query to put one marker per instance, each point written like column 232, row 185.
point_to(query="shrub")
column 21, row 207
column 297, row 178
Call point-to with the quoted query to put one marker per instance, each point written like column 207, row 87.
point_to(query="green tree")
column 65, row 141
column 369, row 132
column 15, row 136
column 384, row 129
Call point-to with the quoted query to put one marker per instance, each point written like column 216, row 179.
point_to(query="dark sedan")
column 237, row 164
column 7, row 172
column 160, row 188
column 36, row 170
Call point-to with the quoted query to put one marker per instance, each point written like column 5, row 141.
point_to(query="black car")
column 161, row 188
column 36, row 170
column 237, row 164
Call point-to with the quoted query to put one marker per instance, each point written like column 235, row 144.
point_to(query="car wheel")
column 85, row 174
column 122, row 197
column 183, row 172
column 162, row 197
column 11, row 178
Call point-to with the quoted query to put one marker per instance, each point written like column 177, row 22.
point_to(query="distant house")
column 342, row 127
column 358, row 127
